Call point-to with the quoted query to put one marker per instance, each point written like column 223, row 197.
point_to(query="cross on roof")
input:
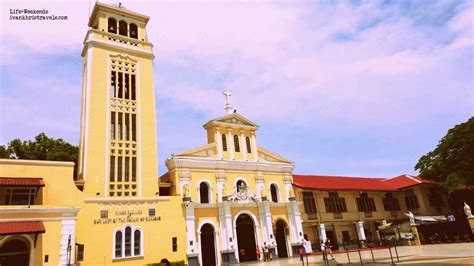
column 228, row 108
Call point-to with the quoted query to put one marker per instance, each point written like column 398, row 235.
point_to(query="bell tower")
column 118, row 156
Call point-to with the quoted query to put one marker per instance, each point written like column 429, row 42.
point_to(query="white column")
column 243, row 146
column 67, row 241
column 224, row 211
column 254, row 147
column 191, row 229
column 287, row 182
column 360, row 230
column 219, row 144
column 322, row 232
column 271, row 238
column 292, row 223
column 260, row 183
column 298, row 222
column 230, row 144
column 220, row 185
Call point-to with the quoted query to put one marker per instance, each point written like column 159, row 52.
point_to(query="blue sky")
column 340, row 87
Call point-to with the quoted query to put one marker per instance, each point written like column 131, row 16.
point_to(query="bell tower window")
column 123, row 28
column 112, row 25
column 133, row 31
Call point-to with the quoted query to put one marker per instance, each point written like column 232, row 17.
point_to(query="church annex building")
column 216, row 204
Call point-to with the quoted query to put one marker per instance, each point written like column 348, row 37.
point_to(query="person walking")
column 265, row 253
column 258, row 252
column 322, row 247
column 301, row 252
column 328, row 247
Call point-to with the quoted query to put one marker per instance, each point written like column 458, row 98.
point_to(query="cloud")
column 301, row 65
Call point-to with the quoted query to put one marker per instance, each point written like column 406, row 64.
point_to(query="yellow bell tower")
column 118, row 155
column 122, row 217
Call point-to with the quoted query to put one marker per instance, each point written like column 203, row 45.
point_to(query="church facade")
column 237, row 195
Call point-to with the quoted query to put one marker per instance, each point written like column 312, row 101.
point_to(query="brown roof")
column 320, row 182
column 21, row 182
column 14, row 228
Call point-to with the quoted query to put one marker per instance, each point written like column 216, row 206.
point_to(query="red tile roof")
column 14, row 228
column 319, row 182
column 21, row 182
column 405, row 181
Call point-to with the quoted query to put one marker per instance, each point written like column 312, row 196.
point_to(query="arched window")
column 247, row 142
column 133, row 31
column 224, row 143
column 204, row 192
column 236, row 143
column 136, row 242
column 118, row 244
column 123, row 28
column 128, row 242
column 241, row 185
column 274, row 192
column 112, row 25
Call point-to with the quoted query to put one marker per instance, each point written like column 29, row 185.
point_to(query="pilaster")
column 254, row 148
column 243, row 146
column 230, row 144
column 219, row 143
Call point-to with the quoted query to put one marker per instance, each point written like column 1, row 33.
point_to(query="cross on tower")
column 228, row 108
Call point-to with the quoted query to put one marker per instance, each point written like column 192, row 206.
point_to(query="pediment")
column 232, row 120
column 209, row 150
column 266, row 155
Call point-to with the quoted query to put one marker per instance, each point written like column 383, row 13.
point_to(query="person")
column 301, row 252
column 328, row 248
column 258, row 252
column 265, row 253
column 322, row 247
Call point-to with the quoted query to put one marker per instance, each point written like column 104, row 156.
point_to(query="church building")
column 237, row 195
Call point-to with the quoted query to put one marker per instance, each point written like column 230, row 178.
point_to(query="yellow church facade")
column 237, row 195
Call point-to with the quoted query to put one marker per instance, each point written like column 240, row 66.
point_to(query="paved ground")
column 440, row 254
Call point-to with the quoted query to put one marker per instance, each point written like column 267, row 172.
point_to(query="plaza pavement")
column 439, row 254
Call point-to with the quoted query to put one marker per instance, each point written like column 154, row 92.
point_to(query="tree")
column 41, row 148
column 452, row 162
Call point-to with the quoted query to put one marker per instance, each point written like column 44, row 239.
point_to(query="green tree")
column 452, row 162
column 41, row 148
column 3, row 152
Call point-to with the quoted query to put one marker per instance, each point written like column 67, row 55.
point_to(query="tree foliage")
column 452, row 162
column 41, row 148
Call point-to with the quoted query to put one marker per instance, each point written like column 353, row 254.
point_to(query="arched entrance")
column 281, row 228
column 15, row 252
column 246, row 238
column 208, row 248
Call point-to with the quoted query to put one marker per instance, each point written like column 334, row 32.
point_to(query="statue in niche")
column 467, row 211
column 292, row 193
column 185, row 191
column 411, row 216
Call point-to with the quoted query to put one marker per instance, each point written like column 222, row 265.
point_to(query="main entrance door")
column 280, row 235
column 208, row 250
column 14, row 253
column 246, row 238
